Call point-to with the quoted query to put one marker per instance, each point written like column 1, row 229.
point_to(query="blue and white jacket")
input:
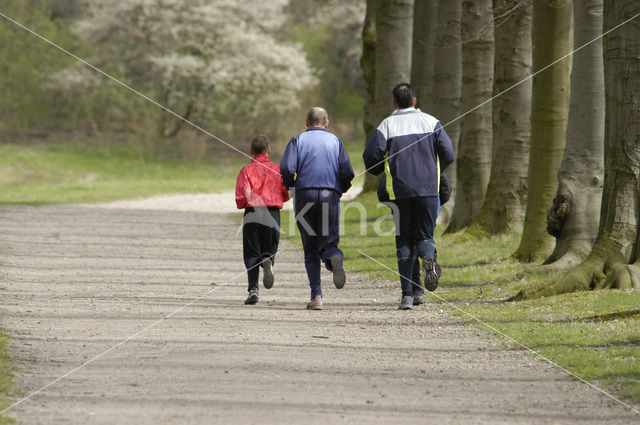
column 412, row 148
column 316, row 159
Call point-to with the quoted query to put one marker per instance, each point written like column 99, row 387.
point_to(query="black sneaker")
column 418, row 296
column 267, row 273
column 430, row 273
column 252, row 298
column 337, row 267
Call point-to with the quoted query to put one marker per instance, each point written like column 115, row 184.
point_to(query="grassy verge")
column 354, row 150
column 6, row 380
column 593, row 334
column 63, row 173
column 85, row 173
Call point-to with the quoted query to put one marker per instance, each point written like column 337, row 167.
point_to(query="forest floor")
column 79, row 280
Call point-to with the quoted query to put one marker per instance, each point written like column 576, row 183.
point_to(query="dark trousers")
column 260, row 238
column 415, row 221
column 317, row 216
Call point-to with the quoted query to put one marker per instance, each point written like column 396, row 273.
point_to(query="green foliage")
column 46, row 92
column 31, row 103
column 91, row 172
column 348, row 105
column 26, row 62
column 340, row 87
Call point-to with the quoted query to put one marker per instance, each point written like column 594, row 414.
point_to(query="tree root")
column 564, row 264
column 596, row 272
column 473, row 232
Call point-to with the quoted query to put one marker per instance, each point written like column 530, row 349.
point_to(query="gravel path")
column 77, row 280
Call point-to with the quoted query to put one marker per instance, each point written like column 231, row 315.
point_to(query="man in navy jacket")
column 316, row 164
column 412, row 148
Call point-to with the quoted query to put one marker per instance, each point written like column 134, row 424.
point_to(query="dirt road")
column 77, row 280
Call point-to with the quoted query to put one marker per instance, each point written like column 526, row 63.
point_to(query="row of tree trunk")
column 527, row 118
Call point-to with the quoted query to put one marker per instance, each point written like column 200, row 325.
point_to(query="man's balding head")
column 317, row 117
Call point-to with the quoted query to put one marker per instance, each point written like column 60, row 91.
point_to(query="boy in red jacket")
column 260, row 191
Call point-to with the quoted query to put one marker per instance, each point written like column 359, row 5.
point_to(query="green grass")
column 6, row 379
column 595, row 335
column 89, row 172
column 61, row 173
column 354, row 150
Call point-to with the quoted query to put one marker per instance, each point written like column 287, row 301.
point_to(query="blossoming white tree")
column 215, row 60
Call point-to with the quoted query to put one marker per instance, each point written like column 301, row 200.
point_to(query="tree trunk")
column 423, row 51
column 573, row 218
column 447, row 81
column 504, row 204
column 474, row 151
column 368, row 65
column 614, row 261
column 394, row 23
column 549, row 113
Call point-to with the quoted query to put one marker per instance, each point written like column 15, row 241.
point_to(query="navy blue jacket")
column 412, row 148
column 316, row 159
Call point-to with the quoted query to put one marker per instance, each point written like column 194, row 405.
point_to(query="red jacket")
column 259, row 184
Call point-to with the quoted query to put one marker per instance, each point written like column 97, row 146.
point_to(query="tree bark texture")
column 423, row 51
column 447, row 82
column 505, row 201
column 573, row 218
column 552, row 37
column 368, row 66
column 394, row 38
column 614, row 261
column 474, row 150
column 394, row 30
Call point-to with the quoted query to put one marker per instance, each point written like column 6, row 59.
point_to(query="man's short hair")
column 403, row 94
column 259, row 144
column 317, row 117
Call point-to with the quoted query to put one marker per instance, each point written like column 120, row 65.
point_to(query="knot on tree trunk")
column 558, row 212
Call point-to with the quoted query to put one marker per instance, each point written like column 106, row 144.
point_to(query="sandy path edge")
column 218, row 202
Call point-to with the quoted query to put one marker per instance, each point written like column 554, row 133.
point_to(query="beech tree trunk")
column 394, row 30
column 394, row 38
column 614, row 261
column 552, row 37
column 423, row 52
column 368, row 66
column 474, row 150
column 447, row 82
column 505, row 201
column 573, row 218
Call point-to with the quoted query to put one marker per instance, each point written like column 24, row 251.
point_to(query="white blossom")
column 222, row 57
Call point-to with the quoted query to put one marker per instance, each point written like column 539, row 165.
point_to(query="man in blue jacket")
column 412, row 148
column 316, row 164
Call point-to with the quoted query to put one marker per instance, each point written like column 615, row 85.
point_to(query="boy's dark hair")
column 403, row 94
column 259, row 144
